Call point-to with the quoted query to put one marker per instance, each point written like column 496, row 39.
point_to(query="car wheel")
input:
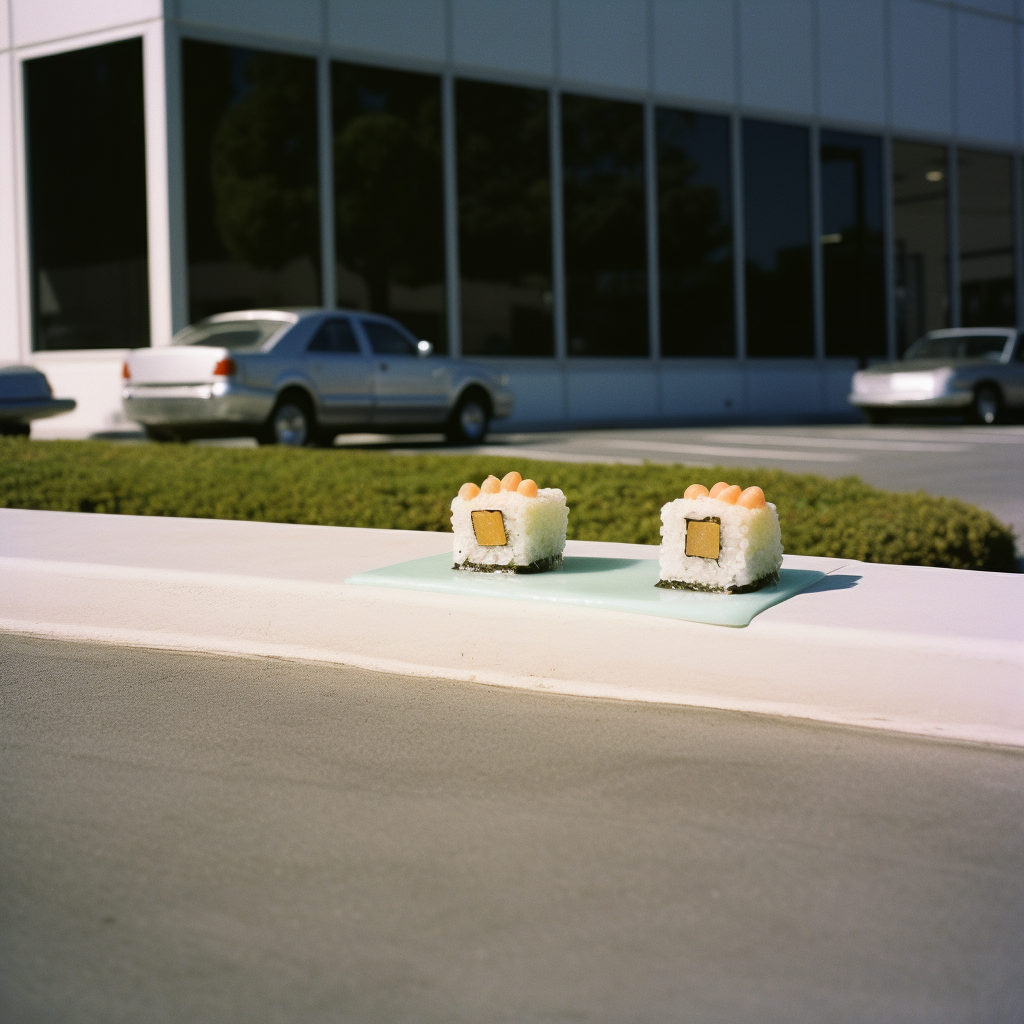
column 15, row 429
column 291, row 423
column 470, row 420
column 876, row 416
column 988, row 404
column 161, row 434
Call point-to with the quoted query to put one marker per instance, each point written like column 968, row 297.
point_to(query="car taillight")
column 224, row 368
column 125, row 372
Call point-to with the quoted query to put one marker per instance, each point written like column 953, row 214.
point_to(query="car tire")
column 291, row 423
column 470, row 419
column 876, row 416
column 988, row 405
column 15, row 429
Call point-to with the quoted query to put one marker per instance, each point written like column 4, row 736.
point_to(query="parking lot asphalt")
column 204, row 838
column 982, row 465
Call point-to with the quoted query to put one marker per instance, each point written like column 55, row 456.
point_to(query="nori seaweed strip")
column 748, row 588
column 541, row 565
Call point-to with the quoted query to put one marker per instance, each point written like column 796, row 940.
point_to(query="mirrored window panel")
column 852, row 245
column 695, row 234
column 777, row 232
column 388, row 196
column 85, row 137
column 985, row 204
column 605, row 234
column 251, row 202
column 504, row 220
column 921, row 239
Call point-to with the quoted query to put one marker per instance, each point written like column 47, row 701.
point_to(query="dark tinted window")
column 504, row 220
column 984, row 348
column 695, row 234
column 777, row 228
column 985, row 192
column 250, row 179
column 385, row 340
column 852, row 245
column 85, row 136
column 921, row 231
column 981, row 347
column 335, row 336
column 388, row 196
column 605, row 235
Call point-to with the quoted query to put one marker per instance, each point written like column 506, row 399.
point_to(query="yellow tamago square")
column 489, row 527
column 703, row 538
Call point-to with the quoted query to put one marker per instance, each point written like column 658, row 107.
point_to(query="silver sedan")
column 302, row 377
column 977, row 372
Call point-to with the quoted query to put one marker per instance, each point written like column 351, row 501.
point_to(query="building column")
column 453, row 297
column 953, row 220
column 889, row 248
column 175, row 251
column 325, row 143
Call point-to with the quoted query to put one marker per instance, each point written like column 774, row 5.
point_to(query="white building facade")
column 645, row 210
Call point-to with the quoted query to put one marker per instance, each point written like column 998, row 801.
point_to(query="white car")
column 977, row 372
column 304, row 376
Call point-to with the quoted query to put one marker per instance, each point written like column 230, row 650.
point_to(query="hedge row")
column 840, row 518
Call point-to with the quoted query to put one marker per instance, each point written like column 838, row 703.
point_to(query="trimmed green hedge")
column 840, row 518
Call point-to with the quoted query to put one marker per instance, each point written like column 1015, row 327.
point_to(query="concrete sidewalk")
column 929, row 651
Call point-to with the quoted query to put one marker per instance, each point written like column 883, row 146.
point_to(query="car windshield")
column 236, row 335
column 971, row 346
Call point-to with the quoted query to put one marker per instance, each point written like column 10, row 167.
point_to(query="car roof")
column 971, row 332
column 289, row 314
column 286, row 316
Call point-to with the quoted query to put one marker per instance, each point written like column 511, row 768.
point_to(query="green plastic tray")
column 616, row 584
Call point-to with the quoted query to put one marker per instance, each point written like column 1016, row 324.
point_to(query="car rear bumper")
column 194, row 404
column 956, row 401
column 34, row 409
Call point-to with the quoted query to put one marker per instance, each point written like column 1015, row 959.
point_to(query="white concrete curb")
column 928, row 651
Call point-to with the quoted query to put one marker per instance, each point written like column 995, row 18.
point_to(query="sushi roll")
column 509, row 525
column 726, row 540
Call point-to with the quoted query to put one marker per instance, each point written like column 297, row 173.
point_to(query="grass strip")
column 837, row 518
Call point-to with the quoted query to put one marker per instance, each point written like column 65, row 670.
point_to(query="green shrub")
column 839, row 518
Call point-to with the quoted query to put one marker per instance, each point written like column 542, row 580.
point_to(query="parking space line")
column 866, row 445
column 714, row 451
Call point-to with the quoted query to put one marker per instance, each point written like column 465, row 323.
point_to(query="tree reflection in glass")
column 695, row 234
column 851, row 245
column 388, row 198
column 605, row 236
column 504, row 219
column 985, row 193
column 252, row 204
column 921, row 239
column 777, row 231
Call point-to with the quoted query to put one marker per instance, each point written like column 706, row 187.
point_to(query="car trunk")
column 176, row 364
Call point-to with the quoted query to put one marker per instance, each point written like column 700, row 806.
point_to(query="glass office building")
column 645, row 212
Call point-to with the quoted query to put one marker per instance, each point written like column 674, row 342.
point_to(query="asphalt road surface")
column 211, row 839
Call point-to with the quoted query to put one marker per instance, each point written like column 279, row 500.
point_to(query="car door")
column 341, row 372
column 409, row 389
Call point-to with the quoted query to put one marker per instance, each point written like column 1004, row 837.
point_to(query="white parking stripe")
column 516, row 452
column 720, row 452
column 865, row 445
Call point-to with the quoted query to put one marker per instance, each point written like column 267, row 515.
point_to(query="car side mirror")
column 424, row 348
